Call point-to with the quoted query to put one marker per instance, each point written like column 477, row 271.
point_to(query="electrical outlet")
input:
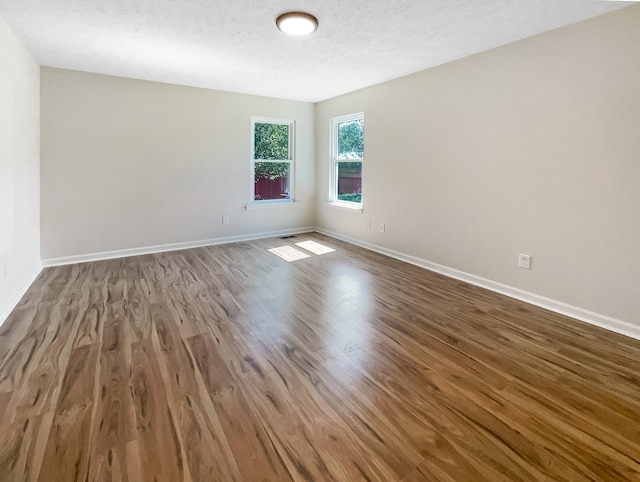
column 4, row 269
column 524, row 261
column 369, row 224
column 225, row 219
column 382, row 227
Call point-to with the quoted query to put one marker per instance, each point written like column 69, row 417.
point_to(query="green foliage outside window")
column 271, row 141
column 349, row 168
column 351, row 139
column 271, row 170
column 348, row 160
column 352, row 198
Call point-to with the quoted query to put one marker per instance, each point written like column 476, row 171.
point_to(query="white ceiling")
column 234, row 45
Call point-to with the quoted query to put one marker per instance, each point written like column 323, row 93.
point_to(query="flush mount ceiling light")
column 297, row 23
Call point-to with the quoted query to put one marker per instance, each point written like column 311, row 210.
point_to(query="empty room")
column 319, row 241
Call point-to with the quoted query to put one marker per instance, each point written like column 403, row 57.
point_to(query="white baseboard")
column 603, row 321
column 6, row 310
column 123, row 253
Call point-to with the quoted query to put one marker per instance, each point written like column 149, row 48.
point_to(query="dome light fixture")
column 297, row 23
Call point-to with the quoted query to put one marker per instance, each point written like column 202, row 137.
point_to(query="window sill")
column 270, row 204
column 346, row 206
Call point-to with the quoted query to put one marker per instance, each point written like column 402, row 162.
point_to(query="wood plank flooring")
column 228, row 363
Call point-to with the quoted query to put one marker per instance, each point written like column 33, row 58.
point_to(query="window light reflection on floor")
column 315, row 248
column 289, row 253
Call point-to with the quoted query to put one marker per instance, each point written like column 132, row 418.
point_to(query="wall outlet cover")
column 524, row 261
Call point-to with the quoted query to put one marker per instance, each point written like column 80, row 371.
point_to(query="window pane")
column 271, row 180
column 351, row 139
column 350, row 181
column 271, row 141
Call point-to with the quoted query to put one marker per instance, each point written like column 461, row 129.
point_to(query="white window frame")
column 291, row 161
column 333, row 170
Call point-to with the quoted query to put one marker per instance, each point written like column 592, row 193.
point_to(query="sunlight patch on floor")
column 315, row 248
column 289, row 253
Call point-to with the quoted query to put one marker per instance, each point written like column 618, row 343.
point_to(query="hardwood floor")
column 230, row 364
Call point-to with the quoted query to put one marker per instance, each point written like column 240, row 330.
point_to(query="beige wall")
column 530, row 148
column 131, row 164
column 19, row 169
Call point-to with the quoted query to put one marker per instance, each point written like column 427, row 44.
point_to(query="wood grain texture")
column 228, row 363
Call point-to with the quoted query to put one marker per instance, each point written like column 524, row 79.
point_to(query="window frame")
column 290, row 123
column 335, row 161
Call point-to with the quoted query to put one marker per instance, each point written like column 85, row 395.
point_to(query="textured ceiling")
column 234, row 45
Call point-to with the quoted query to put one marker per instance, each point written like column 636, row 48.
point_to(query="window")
column 347, row 156
column 272, row 160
